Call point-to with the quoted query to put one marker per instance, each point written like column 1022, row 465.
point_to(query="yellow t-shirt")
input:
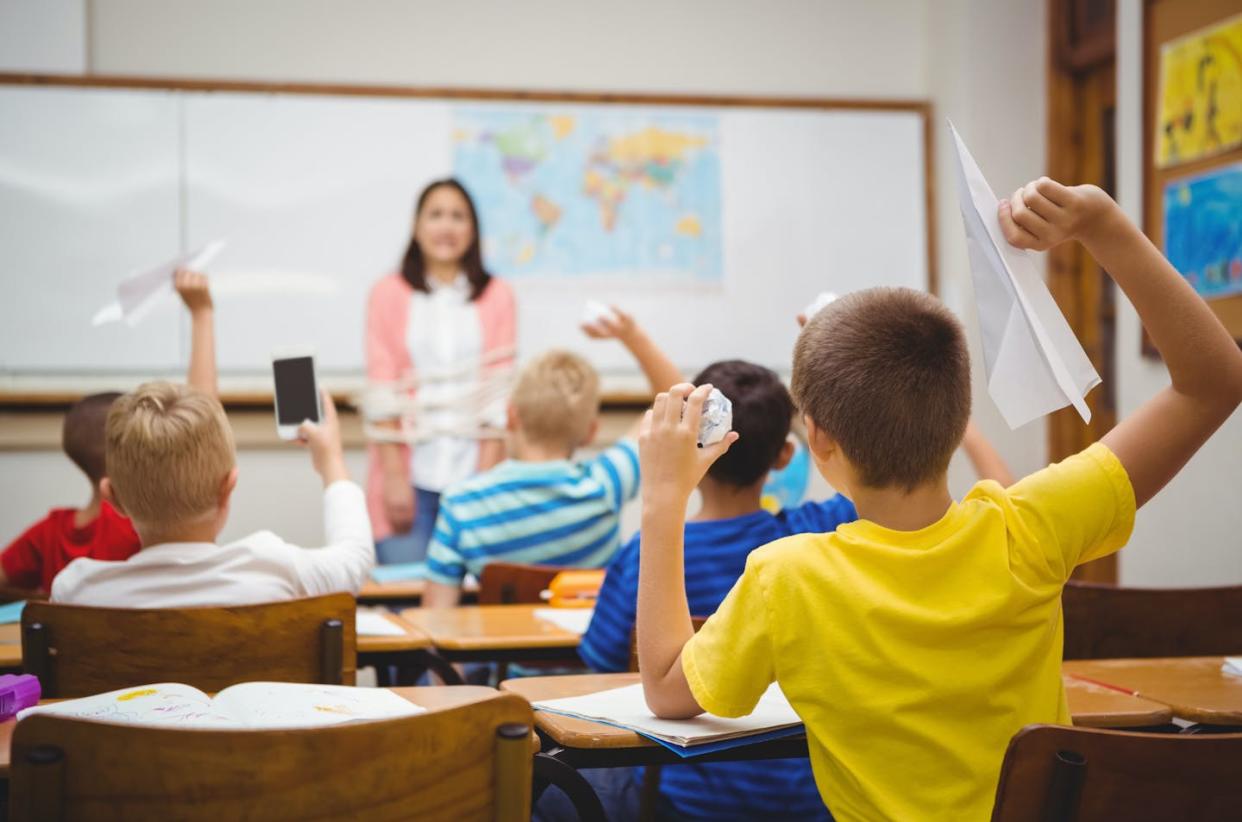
column 913, row 657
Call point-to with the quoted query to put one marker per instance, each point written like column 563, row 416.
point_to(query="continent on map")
column 593, row 191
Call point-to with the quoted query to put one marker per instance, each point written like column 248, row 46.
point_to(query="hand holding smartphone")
column 297, row 390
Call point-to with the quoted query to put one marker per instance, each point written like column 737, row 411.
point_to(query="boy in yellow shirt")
column 915, row 642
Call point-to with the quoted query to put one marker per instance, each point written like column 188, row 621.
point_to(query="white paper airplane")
column 1034, row 362
column 136, row 295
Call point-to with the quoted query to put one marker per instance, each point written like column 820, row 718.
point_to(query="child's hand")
column 192, row 286
column 671, row 462
column 323, row 439
column 1044, row 213
column 620, row 326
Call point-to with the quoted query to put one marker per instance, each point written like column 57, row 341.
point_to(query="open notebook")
column 250, row 705
column 626, row 708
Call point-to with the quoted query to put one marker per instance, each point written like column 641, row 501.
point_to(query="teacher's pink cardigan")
column 388, row 356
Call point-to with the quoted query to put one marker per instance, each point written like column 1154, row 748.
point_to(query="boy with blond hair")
column 540, row 506
column 97, row 530
column 915, row 642
column 172, row 470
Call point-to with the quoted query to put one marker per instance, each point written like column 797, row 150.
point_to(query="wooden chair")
column 512, row 583
column 1066, row 774
column 1104, row 621
column 77, row 650
column 469, row 762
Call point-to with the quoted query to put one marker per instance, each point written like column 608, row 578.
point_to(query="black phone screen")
column 295, row 390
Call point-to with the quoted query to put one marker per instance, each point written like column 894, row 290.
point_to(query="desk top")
column 432, row 699
column 408, row 590
column 11, row 645
column 1195, row 688
column 489, row 628
column 413, row 640
column 1091, row 705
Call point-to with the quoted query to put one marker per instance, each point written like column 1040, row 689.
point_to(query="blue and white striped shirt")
column 557, row 512
column 715, row 556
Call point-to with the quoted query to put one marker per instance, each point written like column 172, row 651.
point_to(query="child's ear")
column 785, row 455
column 590, row 434
column 226, row 488
column 511, row 418
column 821, row 445
column 109, row 495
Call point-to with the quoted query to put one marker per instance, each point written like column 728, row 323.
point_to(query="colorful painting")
column 594, row 192
column 1200, row 100
column 1203, row 230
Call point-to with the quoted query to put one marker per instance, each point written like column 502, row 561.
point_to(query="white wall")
column 979, row 61
column 1191, row 533
column 43, row 36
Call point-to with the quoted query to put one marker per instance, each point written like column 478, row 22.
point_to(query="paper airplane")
column 1034, row 362
column 138, row 294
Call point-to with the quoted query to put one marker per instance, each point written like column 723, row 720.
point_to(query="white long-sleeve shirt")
column 258, row 568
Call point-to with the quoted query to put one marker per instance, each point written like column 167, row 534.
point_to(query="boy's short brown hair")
column 886, row 373
column 762, row 413
column 169, row 449
column 82, row 434
column 557, row 399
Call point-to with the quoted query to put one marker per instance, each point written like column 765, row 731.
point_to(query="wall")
column 980, row 62
column 1190, row 533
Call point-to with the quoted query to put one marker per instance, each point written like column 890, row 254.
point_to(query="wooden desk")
column 432, row 699
column 412, row 640
column 407, row 592
column 11, row 646
column 494, row 633
column 1195, row 688
column 586, row 744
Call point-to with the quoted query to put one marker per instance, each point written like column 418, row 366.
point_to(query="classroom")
column 546, row 410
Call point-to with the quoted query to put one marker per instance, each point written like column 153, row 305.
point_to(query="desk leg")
column 550, row 771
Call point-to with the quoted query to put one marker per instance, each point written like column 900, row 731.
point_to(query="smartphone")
column 297, row 392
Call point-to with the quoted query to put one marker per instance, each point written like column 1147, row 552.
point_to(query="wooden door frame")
column 1081, row 86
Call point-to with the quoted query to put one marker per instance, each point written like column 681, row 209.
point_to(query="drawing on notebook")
column 248, row 705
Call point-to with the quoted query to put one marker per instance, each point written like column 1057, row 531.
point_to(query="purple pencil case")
column 18, row 692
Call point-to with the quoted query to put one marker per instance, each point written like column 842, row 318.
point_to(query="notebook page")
column 294, row 705
column 370, row 623
column 163, row 704
column 573, row 620
column 627, row 708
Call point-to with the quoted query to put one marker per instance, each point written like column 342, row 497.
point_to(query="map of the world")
column 594, row 193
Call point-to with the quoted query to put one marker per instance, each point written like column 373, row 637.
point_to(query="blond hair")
column 885, row 372
column 557, row 399
column 169, row 449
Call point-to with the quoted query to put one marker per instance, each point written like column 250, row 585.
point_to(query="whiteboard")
column 315, row 193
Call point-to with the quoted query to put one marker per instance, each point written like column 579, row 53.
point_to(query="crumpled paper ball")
column 717, row 418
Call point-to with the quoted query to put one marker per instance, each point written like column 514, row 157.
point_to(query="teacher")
column 443, row 315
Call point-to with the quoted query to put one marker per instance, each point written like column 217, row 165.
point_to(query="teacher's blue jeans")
column 412, row 545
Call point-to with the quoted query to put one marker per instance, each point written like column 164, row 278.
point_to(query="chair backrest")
column 1104, row 621
column 469, row 762
column 1053, row 772
column 511, row 583
column 77, row 650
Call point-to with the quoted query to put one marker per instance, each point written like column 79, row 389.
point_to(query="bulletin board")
column 1192, row 146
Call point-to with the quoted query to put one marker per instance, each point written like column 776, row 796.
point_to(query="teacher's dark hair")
column 413, row 268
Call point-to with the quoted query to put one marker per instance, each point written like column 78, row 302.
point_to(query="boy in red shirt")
column 97, row 530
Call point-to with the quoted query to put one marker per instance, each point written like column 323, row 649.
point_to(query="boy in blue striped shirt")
column 540, row 506
column 730, row 524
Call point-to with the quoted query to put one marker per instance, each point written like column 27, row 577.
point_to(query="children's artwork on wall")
column 1200, row 99
column 1203, row 230
column 594, row 192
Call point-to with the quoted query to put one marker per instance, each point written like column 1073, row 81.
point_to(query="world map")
column 585, row 193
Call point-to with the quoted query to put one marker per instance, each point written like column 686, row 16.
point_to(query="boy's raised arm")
column 659, row 370
column 672, row 465
column 1204, row 362
column 194, row 292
